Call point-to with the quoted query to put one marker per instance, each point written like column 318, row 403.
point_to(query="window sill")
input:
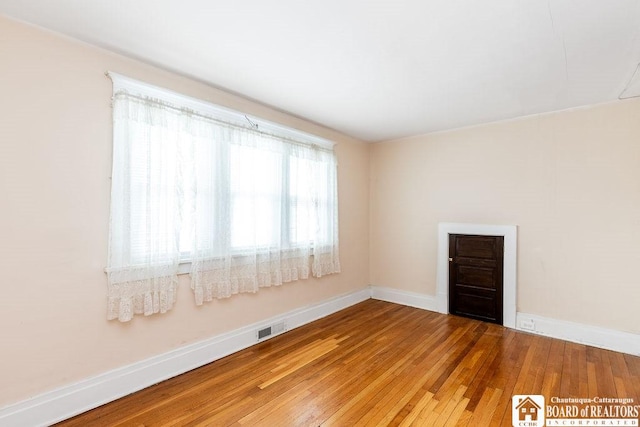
column 184, row 266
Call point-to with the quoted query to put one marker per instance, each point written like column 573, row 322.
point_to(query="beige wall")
column 569, row 180
column 55, row 160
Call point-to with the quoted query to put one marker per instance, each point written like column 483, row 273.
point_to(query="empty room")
column 337, row 213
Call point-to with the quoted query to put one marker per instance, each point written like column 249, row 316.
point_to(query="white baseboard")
column 65, row 402
column 610, row 339
column 412, row 299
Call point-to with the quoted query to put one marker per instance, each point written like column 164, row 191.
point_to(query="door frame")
column 509, row 276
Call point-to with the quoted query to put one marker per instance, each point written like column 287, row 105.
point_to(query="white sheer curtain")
column 145, row 200
column 247, row 209
column 273, row 214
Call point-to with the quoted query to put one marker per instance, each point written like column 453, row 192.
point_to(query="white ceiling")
column 373, row 69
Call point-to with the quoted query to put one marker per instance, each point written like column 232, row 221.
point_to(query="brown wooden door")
column 475, row 276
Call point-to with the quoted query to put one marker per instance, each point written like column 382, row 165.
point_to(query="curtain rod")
column 250, row 129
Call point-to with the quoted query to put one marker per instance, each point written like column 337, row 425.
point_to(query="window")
column 246, row 205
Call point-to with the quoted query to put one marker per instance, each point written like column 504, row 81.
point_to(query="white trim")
column 609, row 339
column 67, row 401
column 412, row 299
column 509, row 269
column 139, row 88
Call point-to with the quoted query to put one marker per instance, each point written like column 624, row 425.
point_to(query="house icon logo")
column 527, row 410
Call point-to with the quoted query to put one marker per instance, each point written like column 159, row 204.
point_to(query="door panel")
column 478, row 247
column 472, row 303
column 475, row 276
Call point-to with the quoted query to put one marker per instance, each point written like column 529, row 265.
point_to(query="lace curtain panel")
column 247, row 209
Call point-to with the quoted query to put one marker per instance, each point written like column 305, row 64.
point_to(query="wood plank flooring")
column 377, row 364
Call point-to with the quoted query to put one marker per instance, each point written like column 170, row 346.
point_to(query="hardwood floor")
column 377, row 363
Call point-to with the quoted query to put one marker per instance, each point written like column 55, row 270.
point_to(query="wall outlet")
column 528, row 324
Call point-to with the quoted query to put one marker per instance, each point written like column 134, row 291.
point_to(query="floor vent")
column 268, row 331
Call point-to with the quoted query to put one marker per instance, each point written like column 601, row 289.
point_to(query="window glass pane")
column 153, row 194
column 309, row 199
column 256, row 185
column 301, row 200
column 187, row 202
